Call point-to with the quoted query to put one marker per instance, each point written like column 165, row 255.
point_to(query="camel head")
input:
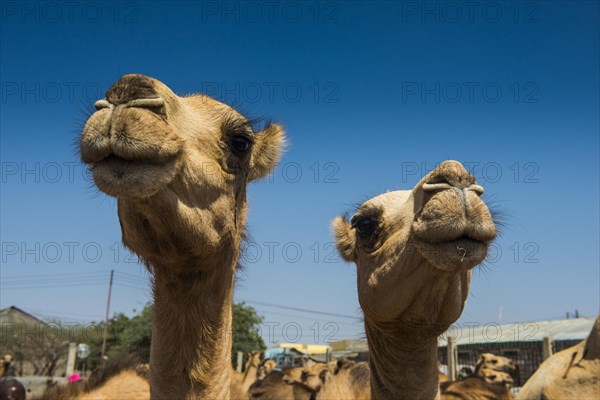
column 414, row 249
column 310, row 378
column 496, row 377
column 253, row 358
column 265, row 368
column 178, row 167
column 493, row 362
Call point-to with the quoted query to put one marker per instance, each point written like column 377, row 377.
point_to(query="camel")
column 414, row 251
column 341, row 379
column 497, row 377
column 265, row 368
column 573, row 373
column 123, row 378
column 350, row 381
column 493, row 362
column 251, row 371
column 307, row 381
column 179, row 167
column 476, row 388
column 271, row 387
column 491, row 380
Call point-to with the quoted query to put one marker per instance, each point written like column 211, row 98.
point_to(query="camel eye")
column 240, row 144
column 364, row 226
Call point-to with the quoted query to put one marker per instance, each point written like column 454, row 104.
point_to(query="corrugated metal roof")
column 475, row 333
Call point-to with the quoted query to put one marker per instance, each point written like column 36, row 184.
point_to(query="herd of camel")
column 179, row 167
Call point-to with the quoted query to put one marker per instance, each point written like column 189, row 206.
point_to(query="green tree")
column 246, row 335
column 132, row 335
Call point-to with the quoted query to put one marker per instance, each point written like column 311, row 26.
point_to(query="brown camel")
column 414, row 251
column 179, row 167
column 573, row 373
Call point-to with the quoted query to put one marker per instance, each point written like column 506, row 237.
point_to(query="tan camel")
column 126, row 385
column 476, row 388
column 251, row 371
column 497, row 377
column 414, row 252
column 489, row 370
column 265, row 368
column 121, row 378
column 493, row 362
column 335, row 380
column 349, row 382
column 179, row 167
column 307, row 381
column 271, row 387
column 573, row 373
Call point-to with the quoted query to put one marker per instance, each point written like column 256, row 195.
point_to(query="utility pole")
column 112, row 273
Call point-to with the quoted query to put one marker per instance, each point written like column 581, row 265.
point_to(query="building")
column 37, row 347
column 296, row 354
column 353, row 349
column 519, row 341
column 522, row 342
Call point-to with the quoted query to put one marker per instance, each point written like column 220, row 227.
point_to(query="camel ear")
column 266, row 151
column 344, row 238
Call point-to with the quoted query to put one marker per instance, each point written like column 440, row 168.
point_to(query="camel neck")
column 402, row 366
column 249, row 376
column 191, row 334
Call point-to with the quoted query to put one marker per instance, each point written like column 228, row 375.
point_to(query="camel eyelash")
column 237, row 127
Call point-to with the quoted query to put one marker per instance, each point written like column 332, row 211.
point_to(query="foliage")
column 44, row 346
column 246, row 336
column 133, row 335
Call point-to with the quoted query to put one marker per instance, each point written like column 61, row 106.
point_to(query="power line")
column 127, row 279
column 346, row 324
column 75, row 274
column 75, row 285
column 49, row 280
column 130, row 275
column 301, row 309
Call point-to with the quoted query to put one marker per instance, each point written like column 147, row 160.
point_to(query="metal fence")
column 527, row 355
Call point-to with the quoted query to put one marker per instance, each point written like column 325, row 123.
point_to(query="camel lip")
column 466, row 239
column 460, row 253
column 462, row 239
column 121, row 177
column 117, row 159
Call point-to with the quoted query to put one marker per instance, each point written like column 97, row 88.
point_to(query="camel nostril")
column 131, row 87
column 100, row 104
column 477, row 189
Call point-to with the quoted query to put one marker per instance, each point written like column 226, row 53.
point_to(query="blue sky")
column 372, row 94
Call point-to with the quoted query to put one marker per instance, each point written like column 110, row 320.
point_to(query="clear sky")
column 372, row 94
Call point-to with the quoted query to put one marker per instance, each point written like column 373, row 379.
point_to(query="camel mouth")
column 142, row 177
column 461, row 253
